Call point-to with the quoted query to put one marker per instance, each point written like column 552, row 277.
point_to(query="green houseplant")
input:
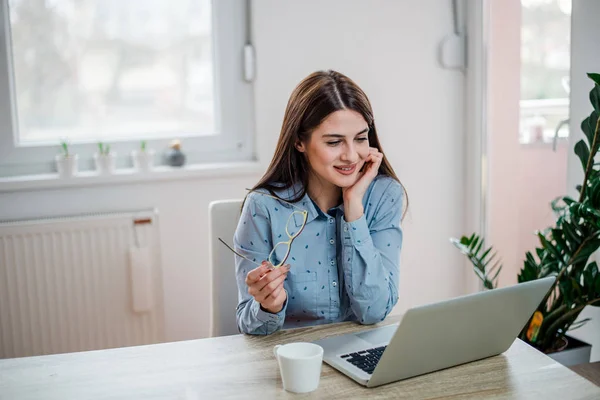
column 66, row 162
column 105, row 159
column 564, row 249
column 143, row 159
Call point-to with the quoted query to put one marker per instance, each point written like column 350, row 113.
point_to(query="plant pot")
column 67, row 166
column 575, row 352
column 105, row 163
column 143, row 161
column 175, row 157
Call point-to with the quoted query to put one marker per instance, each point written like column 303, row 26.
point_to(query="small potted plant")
column 143, row 159
column 66, row 163
column 105, row 159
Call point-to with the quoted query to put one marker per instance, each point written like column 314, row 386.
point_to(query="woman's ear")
column 300, row 146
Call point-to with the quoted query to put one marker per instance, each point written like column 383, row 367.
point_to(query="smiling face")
column 336, row 150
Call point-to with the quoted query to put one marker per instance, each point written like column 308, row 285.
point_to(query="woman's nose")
column 349, row 154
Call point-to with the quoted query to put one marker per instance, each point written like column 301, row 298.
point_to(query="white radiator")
column 66, row 284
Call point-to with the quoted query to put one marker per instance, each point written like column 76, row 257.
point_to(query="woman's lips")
column 346, row 169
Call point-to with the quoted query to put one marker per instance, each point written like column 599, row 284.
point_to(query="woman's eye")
column 334, row 143
column 362, row 139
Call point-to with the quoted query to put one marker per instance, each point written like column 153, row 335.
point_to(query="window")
column 545, row 66
column 121, row 72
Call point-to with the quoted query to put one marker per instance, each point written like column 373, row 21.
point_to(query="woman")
column 329, row 206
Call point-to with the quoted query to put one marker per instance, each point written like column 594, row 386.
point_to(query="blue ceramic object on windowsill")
column 174, row 156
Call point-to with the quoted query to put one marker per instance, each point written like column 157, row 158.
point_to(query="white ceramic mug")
column 300, row 366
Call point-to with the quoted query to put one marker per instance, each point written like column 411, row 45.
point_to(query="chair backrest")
column 223, row 216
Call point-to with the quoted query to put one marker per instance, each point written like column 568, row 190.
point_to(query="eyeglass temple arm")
column 236, row 253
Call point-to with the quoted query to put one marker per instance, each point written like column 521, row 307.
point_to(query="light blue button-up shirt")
column 339, row 271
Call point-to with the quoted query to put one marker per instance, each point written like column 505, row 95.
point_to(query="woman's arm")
column 253, row 239
column 371, row 258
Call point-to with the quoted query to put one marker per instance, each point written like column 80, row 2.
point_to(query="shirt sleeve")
column 252, row 239
column 371, row 258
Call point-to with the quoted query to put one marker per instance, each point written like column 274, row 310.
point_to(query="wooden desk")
column 244, row 367
column 590, row 371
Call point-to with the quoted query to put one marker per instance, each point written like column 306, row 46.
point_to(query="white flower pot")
column 105, row 163
column 67, row 166
column 143, row 161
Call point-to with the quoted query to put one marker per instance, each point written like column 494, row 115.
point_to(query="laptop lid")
column 460, row 330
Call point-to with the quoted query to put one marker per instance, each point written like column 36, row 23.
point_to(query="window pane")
column 545, row 64
column 108, row 69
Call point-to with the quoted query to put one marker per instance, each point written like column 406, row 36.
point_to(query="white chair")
column 223, row 216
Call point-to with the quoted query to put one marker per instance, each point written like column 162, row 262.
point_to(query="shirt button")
column 331, row 241
column 345, row 229
column 334, row 283
column 332, row 262
column 330, row 220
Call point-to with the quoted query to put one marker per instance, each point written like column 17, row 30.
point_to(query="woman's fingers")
column 276, row 298
column 255, row 275
column 374, row 155
column 374, row 162
column 269, row 288
column 273, row 296
column 264, row 286
column 271, row 276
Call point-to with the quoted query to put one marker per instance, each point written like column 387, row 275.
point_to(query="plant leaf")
column 571, row 234
column 548, row 246
column 561, row 244
column 583, row 152
column 595, row 77
column 595, row 97
column 578, row 324
column 497, row 266
column 472, row 247
column 588, row 249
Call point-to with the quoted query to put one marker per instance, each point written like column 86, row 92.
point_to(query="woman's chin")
column 345, row 181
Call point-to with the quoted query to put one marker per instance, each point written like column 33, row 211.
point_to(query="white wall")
column 387, row 47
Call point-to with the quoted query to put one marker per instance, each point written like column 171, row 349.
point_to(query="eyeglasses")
column 284, row 245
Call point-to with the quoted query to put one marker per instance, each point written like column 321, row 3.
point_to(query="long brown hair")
column 314, row 99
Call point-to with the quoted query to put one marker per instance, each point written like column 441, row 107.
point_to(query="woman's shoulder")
column 386, row 193
column 279, row 190
column 257, row 198
column 263, row 196
column 385, row 186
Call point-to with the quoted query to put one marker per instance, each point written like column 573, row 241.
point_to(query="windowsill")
column 545, row 144
column 124, row 176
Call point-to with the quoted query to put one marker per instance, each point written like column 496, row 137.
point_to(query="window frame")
column 234, row 107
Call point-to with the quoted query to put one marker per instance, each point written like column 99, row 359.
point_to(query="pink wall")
column 523, row 179
column 542, row 178
column 503, row 147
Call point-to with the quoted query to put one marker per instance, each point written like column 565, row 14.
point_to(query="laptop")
column 437, row 336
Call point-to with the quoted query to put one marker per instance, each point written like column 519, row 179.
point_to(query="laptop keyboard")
column 366, row 360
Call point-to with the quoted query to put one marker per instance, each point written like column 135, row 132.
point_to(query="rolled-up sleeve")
column 253, row 239
column 371, row 258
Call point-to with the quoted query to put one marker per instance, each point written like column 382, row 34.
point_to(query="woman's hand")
column 265, row 284
column 353, row 195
